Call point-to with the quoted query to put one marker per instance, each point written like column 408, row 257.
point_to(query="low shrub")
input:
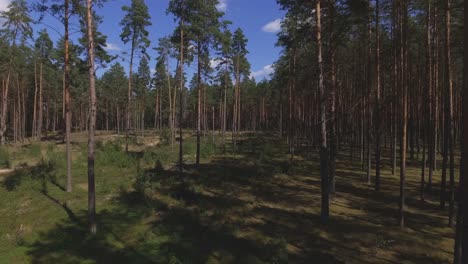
column 112, row 154
column 4, row 158
column 34, row 150
column 165, row 136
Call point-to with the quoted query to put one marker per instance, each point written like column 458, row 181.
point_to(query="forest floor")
column 249, row 205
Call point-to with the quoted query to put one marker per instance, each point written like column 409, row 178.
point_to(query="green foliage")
column 17, row 25
column 264, row 161
column 55, row 157
column 134, row 25
column 208, row 149
column 112, row 154
column 36, row 177
column 165, row 136
column 4, row 158
column 34, row 150
column 280, row 255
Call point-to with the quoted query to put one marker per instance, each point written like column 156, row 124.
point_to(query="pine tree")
column 92, row 118
column 241, row 68
column 44, row 49
column 134, row 24
column 16, row 29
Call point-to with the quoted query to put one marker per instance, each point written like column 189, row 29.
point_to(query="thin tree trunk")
column 92, row 122
column 461, row 233
column 324, row 215
column 449, row 113
column 67, row 98
column 181, row 76
column 34, row 122
column 369, row 94
column 199, row 87
column 40, row 117
column 404, row 126
column 378, row 123
column 332, row 139
column 129, row 94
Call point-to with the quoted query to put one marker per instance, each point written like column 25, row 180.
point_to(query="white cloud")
column 273, row 26
column 214, row 63
column 111, row 46
column 267, row 70
column 222, row 5
column 4, row 5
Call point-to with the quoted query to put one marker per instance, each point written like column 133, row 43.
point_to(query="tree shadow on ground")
column 231, row 210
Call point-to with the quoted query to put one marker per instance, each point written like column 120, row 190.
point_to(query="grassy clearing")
column 250, row 205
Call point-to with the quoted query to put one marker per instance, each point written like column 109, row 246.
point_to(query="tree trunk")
column 461, row 233
column 40, row 118
column 67, row 99
column 199, row 87
column 34, row 122
column 92, row 122
column 129, row 94
column 404, row 125
column 181, row 76
column 324, row 215
column 378, row 123
column 449, row 111
column 332, row 121
column 369, row 93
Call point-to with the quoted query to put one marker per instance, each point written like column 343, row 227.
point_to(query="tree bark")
column 67, row 98
column 378, row 123
column 181, row 76
column 333, row 138
column 34, row 121
column 324, row 155
column 129, row 94
column 461, row 233
column 40, row 117
column 404, row 126
column 92, row 121
column 449, row 111
column 199, row 87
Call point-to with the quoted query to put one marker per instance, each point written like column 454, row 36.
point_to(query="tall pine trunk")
column 129, row 94
column 461, row 233
column 378, row 123
column 67, row 84
column 92, row 120
column 449, row 111
column 324, row 213
column 404, row 119
column 333, row 138
column 181, row 76
column 40, row 105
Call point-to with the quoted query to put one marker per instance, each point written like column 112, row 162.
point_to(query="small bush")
column 99, row 144
column 264, row 160
column 4, row 158
column 157, row 155
column 208, row 149
column 37, row 176
column 158, row 167
column 44, row 172
column 34, row 150
column 112, row 154
column 280, row 255
column 56, row 158
column 165, row 136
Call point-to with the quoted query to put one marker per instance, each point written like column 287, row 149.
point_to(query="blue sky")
column 259, row 19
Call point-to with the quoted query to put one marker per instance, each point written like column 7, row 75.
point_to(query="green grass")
column 4, row 158
column 251, row 205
